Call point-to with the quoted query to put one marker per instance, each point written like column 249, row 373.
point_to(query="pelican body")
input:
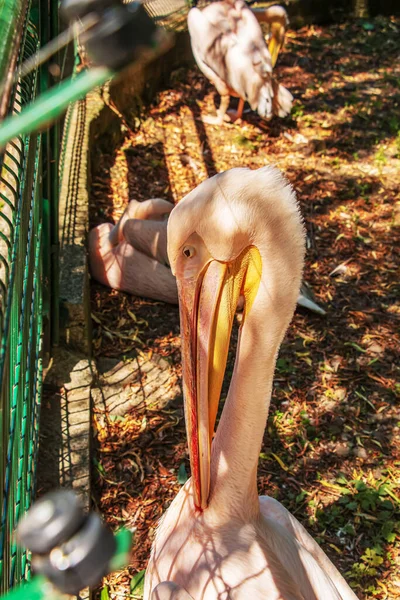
column 239, row 233
column 131, row 256
column 230, row 50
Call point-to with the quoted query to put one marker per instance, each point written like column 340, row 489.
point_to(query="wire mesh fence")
column 171, row 14
column 21, row 279
column 28, row 245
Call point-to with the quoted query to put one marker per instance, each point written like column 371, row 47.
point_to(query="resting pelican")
column 132, row 255
column 238, row 233
column 230, row 49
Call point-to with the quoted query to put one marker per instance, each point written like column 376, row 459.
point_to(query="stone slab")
column 136, row 381
column 65, row 429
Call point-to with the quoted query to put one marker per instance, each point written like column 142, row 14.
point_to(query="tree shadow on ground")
column 351, row 69
column 154, row 181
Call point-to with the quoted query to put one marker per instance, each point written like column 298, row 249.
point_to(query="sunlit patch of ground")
column 331, row 450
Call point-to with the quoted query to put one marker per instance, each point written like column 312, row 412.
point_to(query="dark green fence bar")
column 21, row 292
column 12, row 19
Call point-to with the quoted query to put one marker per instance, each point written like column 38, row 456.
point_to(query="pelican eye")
column 189, row 251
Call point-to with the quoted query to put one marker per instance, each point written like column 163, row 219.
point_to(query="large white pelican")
column 238, row 233
column 230, row 50
column 131, row 256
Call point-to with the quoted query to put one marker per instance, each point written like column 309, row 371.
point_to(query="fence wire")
column 20, row 322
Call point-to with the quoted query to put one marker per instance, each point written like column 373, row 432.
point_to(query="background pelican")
column 230, row 49
column 238, row 233
column 131, row 256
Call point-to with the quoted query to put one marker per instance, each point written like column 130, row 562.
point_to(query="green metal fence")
column 29, row 188
column 26, row 179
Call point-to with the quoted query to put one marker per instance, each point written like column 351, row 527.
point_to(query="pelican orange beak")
column 207, row 302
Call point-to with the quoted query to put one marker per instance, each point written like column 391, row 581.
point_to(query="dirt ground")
column 331, row 451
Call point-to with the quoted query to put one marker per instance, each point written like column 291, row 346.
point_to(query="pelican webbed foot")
column 225, row 115
column 210, row 120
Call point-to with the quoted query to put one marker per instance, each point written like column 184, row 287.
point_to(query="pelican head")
column 237, row 234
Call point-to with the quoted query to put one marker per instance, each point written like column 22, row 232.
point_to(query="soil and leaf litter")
column 331, row 451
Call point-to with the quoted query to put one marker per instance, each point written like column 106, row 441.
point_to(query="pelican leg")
column 221, row 113
column 235, row 115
